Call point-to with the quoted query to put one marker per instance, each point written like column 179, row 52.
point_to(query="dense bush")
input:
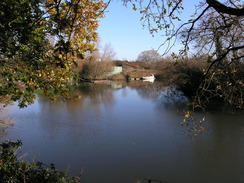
column 196, row 79
column 96, row 70
column 14, row 170
column 186, row 75
column 188, row 79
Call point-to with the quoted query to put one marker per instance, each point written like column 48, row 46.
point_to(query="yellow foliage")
column 72, row 26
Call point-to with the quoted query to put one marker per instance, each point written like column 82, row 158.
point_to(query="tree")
column 165, row 15
column 149, row 56
column 104, row 53
column 216, row 28
column 224, row 77
column 107, row 53
column 27, row 59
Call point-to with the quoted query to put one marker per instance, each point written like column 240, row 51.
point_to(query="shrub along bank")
column 14, row 170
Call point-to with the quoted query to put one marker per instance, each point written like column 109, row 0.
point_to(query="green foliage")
column 22, row 45
column 39, row 41
column 17, row 171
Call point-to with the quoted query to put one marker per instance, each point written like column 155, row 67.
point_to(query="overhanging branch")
column 221, row 8
column 223, row 56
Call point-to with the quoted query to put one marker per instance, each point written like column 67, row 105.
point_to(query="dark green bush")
column 189, row 80
column 13, row 170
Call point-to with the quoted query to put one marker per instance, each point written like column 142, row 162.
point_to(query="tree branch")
column 223, row 56
column 193, row 24
column 221, row 8
column 176, row 6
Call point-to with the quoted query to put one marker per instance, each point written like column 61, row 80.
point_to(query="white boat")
column 149, row 78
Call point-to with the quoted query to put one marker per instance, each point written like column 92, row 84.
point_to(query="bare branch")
column 175, row 7
column 223, row 56
column 193, row 24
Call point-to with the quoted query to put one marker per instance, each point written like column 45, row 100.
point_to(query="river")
column 124, row 133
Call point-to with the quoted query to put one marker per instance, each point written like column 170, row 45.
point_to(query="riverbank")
column 193, row 76
column 13, row 169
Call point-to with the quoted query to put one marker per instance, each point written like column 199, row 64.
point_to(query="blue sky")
column 122, row 28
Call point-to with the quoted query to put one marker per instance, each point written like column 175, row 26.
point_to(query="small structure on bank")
column 116, row 70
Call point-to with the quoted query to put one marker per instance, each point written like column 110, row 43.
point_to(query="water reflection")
column 123, row 133
column 94, row 93
column 78, row 114
column 5, row 119
column 222, row 150
column 172, row 99
column 146, row 90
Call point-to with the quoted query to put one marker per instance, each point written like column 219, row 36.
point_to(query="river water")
column 121, row 133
